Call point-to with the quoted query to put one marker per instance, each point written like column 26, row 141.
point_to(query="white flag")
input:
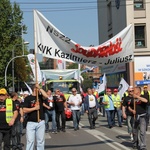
column 52, row 43
column 31, row 59
column 61, row 64
column 102, row 86
column 30, row 90
column 123, row 86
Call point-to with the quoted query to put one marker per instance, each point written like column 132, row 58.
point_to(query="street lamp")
column 24, row 43
column 8, row 65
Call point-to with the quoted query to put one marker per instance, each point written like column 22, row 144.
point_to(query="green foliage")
column 73, row 66
column 11, row 39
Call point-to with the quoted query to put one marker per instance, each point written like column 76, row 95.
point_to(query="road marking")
column 47, row 136
column 119, row 131
column 101, row 136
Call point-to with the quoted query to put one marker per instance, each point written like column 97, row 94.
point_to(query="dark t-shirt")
column 29, row 102
column 18, row 106
column 59, row 103
column 126, row 103
column 49, row 102
column 146, row 95
column 3, row 124
column 140, row 106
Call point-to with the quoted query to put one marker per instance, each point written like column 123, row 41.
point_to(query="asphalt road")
column 101, row 137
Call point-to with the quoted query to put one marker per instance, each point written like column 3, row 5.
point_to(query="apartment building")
column 114, row 16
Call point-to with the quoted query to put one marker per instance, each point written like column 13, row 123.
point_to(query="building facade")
column 114, row 16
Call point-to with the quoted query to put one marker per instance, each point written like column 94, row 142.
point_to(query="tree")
column 11, row 28
column 73, row 66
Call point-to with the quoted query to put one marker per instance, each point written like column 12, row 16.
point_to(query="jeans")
column 16, row 134
column 92, row 116
column 76, row 118
column 35, row 129
column 5, row 136
column 119, row 114
column 130, row 123
column 139, row 133
column 102, row 109
column 110, row 116
column 148, row 111
column 51, row 113
column 63, row 119
column 82, row 109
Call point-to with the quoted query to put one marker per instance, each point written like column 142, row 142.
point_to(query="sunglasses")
column 131, row 91
column 57, row 91
column 74, row 91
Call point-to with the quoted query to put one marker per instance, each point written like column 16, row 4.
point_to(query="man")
column 35, row 129
column 109, row 107
column 8, row 115
column 16, row 129
column 49, row 105
column 117, row 105
column 138, row 108
column 91, row 106
column 94, row 92
column 60, row 106
column 126, row 113
column 75, row 102
column 145, row 93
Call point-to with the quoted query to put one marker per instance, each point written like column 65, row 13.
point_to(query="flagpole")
column 134, row 87
column 35, row 49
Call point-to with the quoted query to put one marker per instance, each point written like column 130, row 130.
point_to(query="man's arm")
column 28, row 110
column 12, row 121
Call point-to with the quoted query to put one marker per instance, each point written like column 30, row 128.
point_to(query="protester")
column 49, row 105
column 75, row 102
column 109, row 107
column 117, row 105
column 8, row 115
column 60, row 106
column 101, row 105
column 146, row 94
column 94, row 92
column 125, row 111
column 35, row 128
column 16, row 129
column 91, row 106
column 139, row 111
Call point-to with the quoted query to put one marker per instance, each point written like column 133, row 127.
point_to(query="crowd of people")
column 34, row 111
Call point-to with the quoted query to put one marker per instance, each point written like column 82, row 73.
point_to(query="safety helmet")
column 68, row 113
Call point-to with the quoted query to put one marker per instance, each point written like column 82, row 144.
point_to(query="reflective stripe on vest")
column 142, row 93
column 116, row 101
column 9, row 110
column 106, row 99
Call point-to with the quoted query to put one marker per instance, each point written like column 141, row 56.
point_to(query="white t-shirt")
column 92, row 102
column 76, row 99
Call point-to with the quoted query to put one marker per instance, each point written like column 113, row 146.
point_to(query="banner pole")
column 35, row 49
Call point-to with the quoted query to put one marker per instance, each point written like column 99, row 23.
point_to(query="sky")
column 76, row 19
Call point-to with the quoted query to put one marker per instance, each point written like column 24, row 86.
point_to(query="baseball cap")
column 145, row 86
column 3, row 91
column 115, row 90
column 108, row 90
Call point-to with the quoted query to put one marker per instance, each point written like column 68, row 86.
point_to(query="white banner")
column 123, row 86
column 53, row 43
column 31, row 59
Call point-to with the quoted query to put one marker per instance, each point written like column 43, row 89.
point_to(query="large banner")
column 52, row 43
column 142, row 70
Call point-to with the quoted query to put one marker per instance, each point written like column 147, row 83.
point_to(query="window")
column 140, row 36
column 138, row 4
